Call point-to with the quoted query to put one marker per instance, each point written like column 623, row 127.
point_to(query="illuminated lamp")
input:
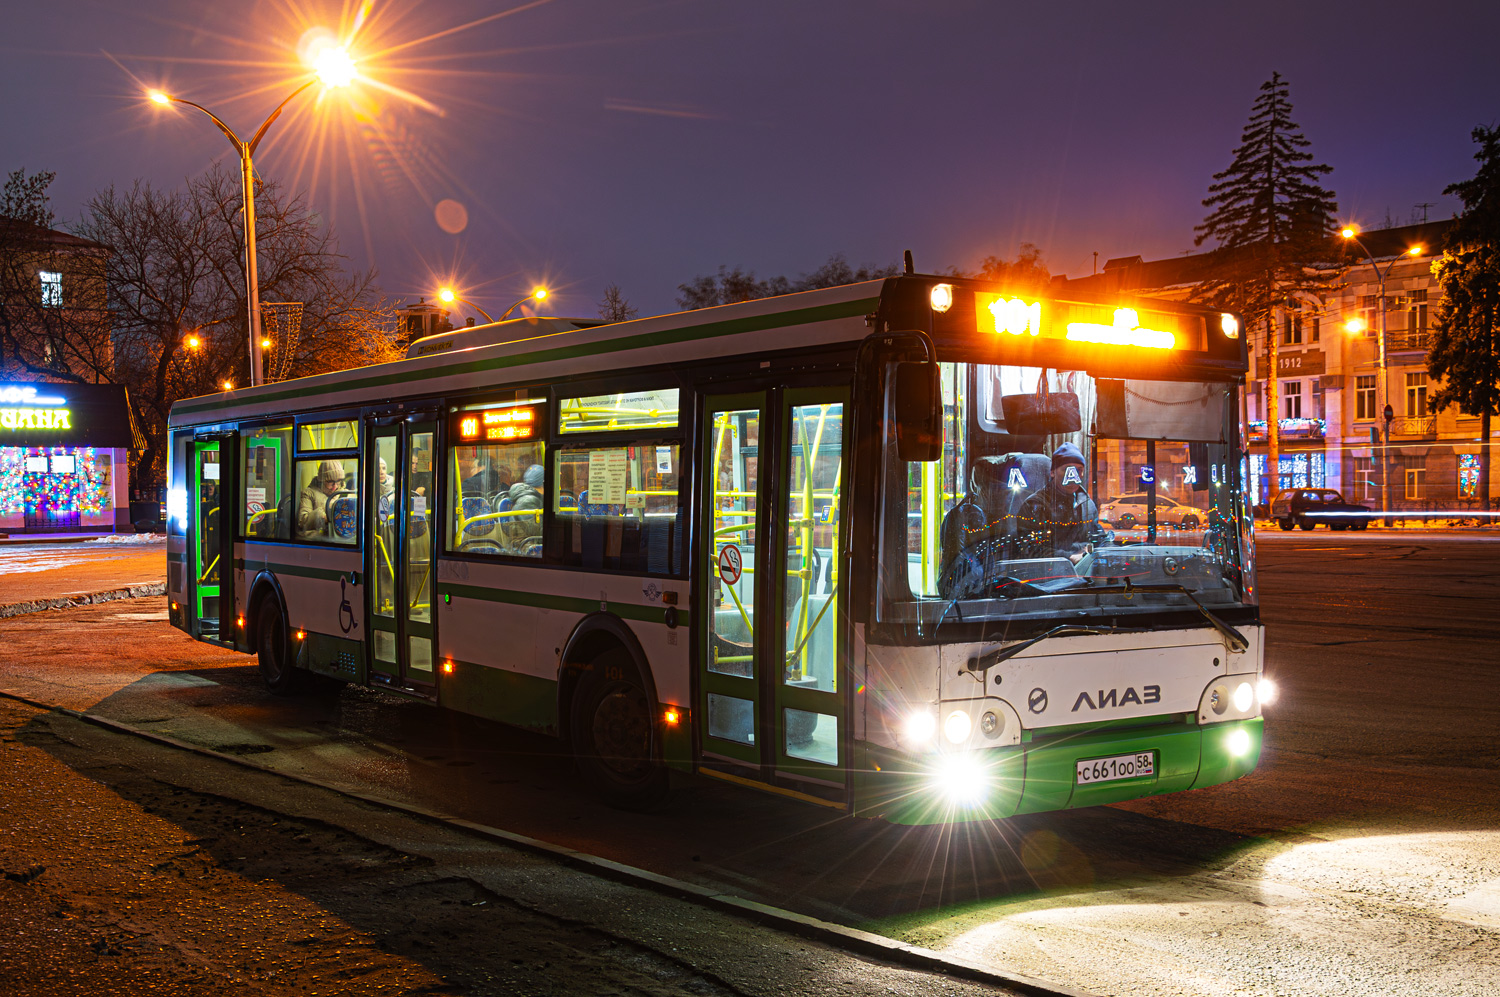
column 941, row 297
column 1238, row 742
column 960, row 778
column 1230, row 326
column 672, row 716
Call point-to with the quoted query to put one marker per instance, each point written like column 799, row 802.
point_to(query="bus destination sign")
column 497, row 425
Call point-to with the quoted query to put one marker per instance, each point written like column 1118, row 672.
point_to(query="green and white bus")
column 861, row 546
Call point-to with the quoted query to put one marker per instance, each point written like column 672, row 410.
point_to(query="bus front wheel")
column 610, row 727
column 273, row 647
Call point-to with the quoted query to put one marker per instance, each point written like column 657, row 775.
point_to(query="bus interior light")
column 941, row 297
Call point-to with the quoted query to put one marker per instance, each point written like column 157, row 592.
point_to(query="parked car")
column 1129, row 511
column 1307, row 507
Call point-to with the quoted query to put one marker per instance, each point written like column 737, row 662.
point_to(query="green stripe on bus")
column 301, row 570
column 570, row 604
column 664, row 337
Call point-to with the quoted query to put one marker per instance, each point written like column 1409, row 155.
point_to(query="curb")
column 864, row 943
column 87, row 599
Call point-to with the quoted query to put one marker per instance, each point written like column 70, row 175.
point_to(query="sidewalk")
column 34, row 578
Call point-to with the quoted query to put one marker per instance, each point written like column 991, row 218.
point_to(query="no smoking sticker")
column 729, row 564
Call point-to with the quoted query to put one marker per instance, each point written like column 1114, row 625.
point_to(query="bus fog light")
column 919, row 728
column 1244, row 697
column 961, row 779
column 956, row 728
column 1238, row 742
column 1265, row 691
column 990, row 723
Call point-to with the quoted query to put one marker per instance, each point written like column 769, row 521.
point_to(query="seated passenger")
column 312, row 510
column 1060, row 519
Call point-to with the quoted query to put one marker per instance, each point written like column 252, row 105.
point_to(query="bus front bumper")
column 1042, row 774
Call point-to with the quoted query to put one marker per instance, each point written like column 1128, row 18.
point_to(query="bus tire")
column 274, row 651
column 611, row 727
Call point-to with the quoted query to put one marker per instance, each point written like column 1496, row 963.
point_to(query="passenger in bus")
column 478, row 476
column 1061, row 520
column 312, row 510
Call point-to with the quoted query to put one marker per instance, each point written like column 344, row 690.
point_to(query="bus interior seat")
column 474, row 506
column 343, row 515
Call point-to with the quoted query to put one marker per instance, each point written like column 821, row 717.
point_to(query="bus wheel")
column 611, row 731
column 274, row 650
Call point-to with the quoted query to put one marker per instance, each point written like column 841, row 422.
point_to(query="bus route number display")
column 730, row 564
column 497, row 425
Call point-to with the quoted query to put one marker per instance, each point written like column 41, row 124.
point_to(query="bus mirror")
column 1042, row 415
column 919, row 412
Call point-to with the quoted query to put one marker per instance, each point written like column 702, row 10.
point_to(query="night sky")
column 643, row 143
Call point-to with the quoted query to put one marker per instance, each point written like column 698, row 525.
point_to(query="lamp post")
column 333, row 67
column 1381, row 388
column 539, row 293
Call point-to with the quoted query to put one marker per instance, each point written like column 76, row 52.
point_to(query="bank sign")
column 46, row 414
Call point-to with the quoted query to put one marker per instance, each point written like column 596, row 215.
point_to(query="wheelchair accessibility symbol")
column 346, row 611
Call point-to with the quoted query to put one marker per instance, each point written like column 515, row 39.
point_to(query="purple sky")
column 643, row 143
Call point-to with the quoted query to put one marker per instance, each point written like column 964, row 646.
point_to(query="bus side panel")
column 320, row 598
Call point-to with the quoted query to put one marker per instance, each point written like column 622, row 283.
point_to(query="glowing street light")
column 193, row 342
column 332, row 66
column 448, row 296
column 538, row 293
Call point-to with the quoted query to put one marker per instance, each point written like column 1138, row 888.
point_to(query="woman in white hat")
column 312, row 510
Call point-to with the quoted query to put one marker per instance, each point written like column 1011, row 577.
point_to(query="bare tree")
column 176, row 293
column 614, row 307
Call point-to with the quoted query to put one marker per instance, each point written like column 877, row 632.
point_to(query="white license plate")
column 1118, row 767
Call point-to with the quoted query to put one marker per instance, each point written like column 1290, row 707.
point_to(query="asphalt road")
column 1362, row 857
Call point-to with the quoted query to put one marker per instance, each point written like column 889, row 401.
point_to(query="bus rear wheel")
column 611, row 730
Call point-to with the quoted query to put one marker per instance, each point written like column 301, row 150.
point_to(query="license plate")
column 1134, row 766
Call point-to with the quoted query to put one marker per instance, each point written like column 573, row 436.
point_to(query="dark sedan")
column 1307, row 507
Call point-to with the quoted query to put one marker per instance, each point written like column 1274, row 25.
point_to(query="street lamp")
column 539, row 293
column 333, row 67
column 448, row 296
column 1351, row 234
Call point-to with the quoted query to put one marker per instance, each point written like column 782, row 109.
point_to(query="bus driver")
column 1060, row 519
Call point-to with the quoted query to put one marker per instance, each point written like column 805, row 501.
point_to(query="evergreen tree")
column 1270, row 220
column 1466, row 342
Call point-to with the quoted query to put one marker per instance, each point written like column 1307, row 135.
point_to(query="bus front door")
column 400, row 457
column 212, row 547
column 771, row 692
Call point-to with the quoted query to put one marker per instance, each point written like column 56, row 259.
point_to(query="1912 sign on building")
column 1294, row 364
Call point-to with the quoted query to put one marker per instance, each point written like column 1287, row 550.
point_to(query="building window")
column 1291, row 328
column 1369, row 305
column 1416, row 314
column 1291, row 399
column 51, row 289
column 1316, row 322
column 1365, row 487
column 1416, row 483
column 1468, row 475
column 1416, row 394
column 1364, row 396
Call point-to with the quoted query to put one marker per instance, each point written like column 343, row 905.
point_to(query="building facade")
column 1333, row 396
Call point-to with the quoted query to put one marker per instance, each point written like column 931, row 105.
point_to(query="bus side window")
column 496, row 495
column 268, row 505
column 619, row 506
column 327, row 507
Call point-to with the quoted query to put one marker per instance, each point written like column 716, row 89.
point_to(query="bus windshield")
column 1059, row 493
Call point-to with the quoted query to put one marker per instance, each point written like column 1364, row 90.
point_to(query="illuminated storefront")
column 63, row 457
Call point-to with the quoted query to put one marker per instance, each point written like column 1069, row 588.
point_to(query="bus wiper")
column 1237, row 641
column 988, row 659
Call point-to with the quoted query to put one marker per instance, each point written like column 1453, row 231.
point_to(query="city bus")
column 860, row 546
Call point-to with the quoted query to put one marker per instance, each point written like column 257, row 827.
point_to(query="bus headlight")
column 961, row 779
column 918, row 729
column 1244, row 697
column 1230, row 326
column 1265, row 691
column 956, row 728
